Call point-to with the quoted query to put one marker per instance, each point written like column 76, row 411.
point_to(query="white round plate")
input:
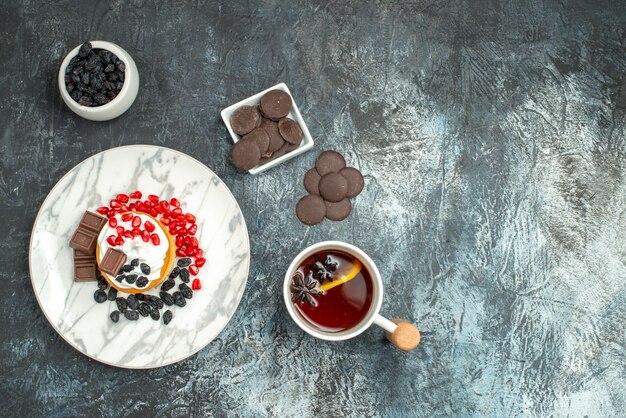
column 70, row 307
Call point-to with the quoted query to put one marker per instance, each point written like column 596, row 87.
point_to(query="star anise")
column 302, row 289
column 323, row 270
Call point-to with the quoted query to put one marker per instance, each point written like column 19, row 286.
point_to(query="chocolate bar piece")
column 92, row 222
column 85, row 272
column 83, row 257
column 112, row 261
column 84, row 241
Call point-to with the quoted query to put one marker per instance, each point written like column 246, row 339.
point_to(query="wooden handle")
column 406, row 337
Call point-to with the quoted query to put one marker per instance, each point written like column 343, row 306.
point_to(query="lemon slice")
column 343, row 279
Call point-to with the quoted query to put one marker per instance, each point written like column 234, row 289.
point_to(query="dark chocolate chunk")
column 245, row 154
column 261, row 138
column 312, row 181
column 167, row 317
column 115, row 316
column 112, row 261
column 338, row 211
column 276, row 104
column 276, row 140
column 311, row 209
column 131, row 315
column 290, row 131
column 245, row 119
column 355, row 180
column 84, row 240
column 333, row 187
column 85, row 272
column 329, row 162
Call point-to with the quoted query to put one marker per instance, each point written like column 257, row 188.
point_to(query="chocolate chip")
column 333, row 187
column 275, row 104
column 245, row 154
column 329, row 162
column 338, row 211
column 290, row 131
column 355, row 180
column 311, row 209
column 312, row 181
column 261, row 138
column 276, row 140
column 245, row 119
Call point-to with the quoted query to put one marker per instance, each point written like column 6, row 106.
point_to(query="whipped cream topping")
column 146, row 252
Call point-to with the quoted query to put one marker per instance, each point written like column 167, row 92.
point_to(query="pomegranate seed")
column 173, row 223
column 132, row 206
column 179, row 241
column 199, row 252
column 155, row 239
column 174, row 202
column 192, row 229
column 182, row 230
column 136, row 195
column 190, row 218
column 111, row 213
column 153, row 198
column 193, row 269
column 196, row 285
column 122, row 208
column 181, row 218
column 136, row 232
column 164, row 205
column 145, row 236
column 159, row 209
column 119, row 229
column 194, row 242
column 122, row 197
column 111, row 240
column 187, row 240
column 181, row 253
column 102, row 210
column 127, row 216
column 172, row 230
column 149, row 226
column 165, row 221
column 114, row 204
column 153, row 213
column 112, row 222
column 200, row 261
column 136, row 221
column 128, row 234
column 140, row 207
column 177, row 211
column 147, row 203
column 119, row 241
column 191, row 252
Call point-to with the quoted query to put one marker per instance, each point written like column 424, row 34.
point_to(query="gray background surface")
column 492, row 138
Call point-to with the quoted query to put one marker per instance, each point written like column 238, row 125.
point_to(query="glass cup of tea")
column 333, row 291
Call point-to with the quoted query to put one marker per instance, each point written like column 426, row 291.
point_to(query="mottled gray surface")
column 493, row 141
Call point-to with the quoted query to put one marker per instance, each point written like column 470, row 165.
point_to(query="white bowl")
column 122, row 101
column 307, row 140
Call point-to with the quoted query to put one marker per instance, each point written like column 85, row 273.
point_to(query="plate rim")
column 30, row 261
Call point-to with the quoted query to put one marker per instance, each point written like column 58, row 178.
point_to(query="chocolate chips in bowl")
column 98, row 80
column 266, row 129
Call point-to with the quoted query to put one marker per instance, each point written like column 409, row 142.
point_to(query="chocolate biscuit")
column 276, row 140
column 290, row 131
column 355, row 180
column 312, row 181
column 245, row 154
column 338, row 211
column 261, row 138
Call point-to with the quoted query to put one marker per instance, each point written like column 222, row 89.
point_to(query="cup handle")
column 403, row 335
